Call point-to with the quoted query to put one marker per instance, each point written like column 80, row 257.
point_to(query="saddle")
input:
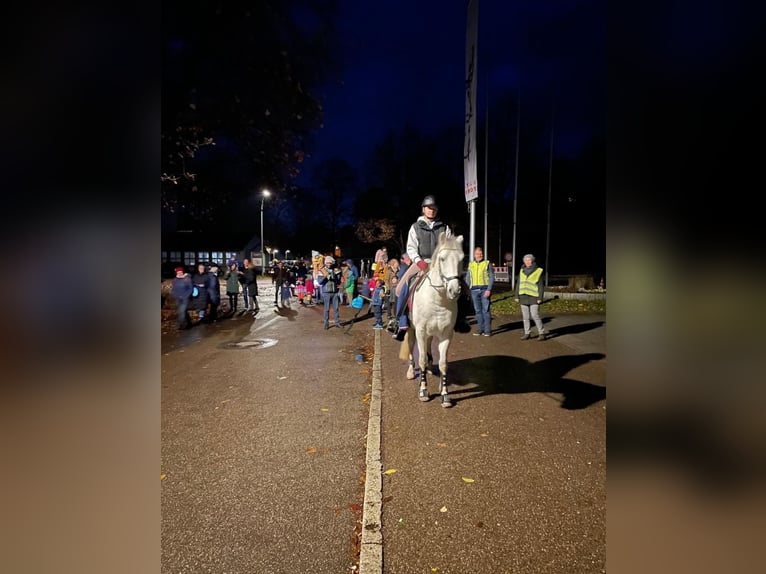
column 414, row 284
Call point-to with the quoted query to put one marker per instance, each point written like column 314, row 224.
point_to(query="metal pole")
column 550, row 179
column 516, row 189
column 486, row 173
column 472, row 240
column 263, row 261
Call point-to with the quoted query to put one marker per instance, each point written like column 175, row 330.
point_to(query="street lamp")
column 287, row 256
column 264, row 194
column 274, row 253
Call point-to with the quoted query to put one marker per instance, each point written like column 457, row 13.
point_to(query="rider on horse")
column 421, row 242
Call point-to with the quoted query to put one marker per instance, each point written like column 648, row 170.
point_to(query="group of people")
column 201, row 291
column 335, row 284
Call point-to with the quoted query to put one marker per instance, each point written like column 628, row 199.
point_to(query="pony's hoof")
column 423, row 395
column 411, row 372
column 446, row 402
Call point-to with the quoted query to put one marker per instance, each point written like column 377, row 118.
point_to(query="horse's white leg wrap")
column 423, row 390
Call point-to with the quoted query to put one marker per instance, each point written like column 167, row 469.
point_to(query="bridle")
column 444, row 280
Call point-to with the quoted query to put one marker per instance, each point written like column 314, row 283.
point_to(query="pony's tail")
column 404, row 347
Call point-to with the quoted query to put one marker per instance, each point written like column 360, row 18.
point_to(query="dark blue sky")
column 404, row 63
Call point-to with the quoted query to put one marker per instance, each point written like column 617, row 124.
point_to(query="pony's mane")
column 445, row 243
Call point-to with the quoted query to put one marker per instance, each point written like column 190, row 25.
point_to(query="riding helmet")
column 429, row 200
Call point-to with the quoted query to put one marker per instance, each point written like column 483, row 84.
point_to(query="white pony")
column 434, row 310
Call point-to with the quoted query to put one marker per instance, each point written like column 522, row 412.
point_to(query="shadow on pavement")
column 496, row 374
column 284, row 311
column 572, row 329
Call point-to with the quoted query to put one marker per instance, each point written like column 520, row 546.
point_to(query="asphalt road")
column 264, row 426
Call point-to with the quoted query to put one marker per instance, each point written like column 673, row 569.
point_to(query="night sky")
column 404, row 63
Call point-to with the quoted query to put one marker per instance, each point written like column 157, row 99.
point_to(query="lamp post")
column 274, row 253
column 264, row 194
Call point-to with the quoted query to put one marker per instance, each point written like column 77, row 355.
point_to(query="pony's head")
column 447, row 262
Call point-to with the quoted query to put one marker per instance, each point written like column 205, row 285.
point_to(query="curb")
column 371, row 554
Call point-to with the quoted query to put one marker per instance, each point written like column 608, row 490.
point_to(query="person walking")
column 480, row 278
column 182, row 291
column 529, row 295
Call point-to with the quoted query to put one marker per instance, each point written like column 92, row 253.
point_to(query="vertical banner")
column 469, row 147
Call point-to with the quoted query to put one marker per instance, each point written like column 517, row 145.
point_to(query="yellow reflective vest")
column 528, row 283
column 479, row 273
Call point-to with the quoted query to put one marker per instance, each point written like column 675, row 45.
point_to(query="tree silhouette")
column 237, row 101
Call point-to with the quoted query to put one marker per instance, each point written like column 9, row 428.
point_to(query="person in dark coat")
column 201, row 280
column 250, row 287
column 181, row 291
column 232, row 285
column 281, row 274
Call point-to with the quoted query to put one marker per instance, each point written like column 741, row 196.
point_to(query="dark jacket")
column 232, row 281
column 200, row 281
column 250, row 278
column 182, row 288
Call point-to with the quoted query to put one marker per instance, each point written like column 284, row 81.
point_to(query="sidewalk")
column 513, row 477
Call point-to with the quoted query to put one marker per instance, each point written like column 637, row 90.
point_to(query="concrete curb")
column 371, row 554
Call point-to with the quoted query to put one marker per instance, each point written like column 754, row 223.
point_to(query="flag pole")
column 516, row 189
column 550, row 180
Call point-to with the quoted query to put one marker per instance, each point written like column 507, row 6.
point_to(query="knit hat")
column 179, row 269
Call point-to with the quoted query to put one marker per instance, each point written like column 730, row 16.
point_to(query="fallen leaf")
column 480, row 524
column 469, row 480
column 390, row 471
column 484, row 434
column 281, row 378
column 324, row 410
column 388, row 499
column 311, row 450
column 163, row 476
column 443, row 509
column 441, row 444
column 434, row 569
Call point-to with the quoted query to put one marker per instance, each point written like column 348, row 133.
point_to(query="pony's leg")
column 443, row 391
column 422, row 356
column 411, row 369
column 412, row 356
column 431, row 366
